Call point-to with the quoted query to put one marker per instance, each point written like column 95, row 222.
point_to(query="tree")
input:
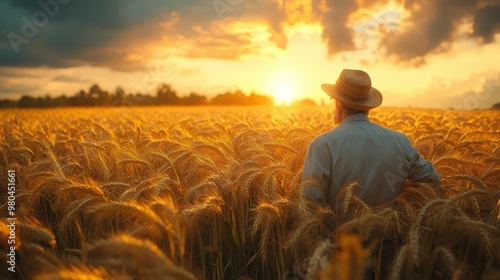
column 239, row 98
column 95, row 91
column 194, row 99
column 496, row 106
column 61, row 101
column 304, row 102
column 118, row 97
column 26, row 101
column 260, row 100
column 165, row 95
column 82, row 98
column 7, row 103
column 97, row 96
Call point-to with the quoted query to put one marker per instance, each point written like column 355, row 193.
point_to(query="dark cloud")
column 77, row 33
column 110, row 33
column 433, row 27
column 487, row 22
column 430, row 28
column 335, row 30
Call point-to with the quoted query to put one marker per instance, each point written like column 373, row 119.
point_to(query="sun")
column 282, row 93
column 283, row 87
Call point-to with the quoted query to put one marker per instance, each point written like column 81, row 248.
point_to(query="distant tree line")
column 165, row 95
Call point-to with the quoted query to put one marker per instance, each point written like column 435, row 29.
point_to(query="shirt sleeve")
column 421, row 170
column 316, row 174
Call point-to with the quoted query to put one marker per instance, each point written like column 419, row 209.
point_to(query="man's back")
column 358, row 150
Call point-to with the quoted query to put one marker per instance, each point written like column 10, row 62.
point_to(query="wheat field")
column 214, row 193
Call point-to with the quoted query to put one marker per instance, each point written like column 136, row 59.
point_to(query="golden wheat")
column 150, row 191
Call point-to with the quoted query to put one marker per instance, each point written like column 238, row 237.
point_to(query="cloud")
column 78, row 33
column 17, row 73
column 334, row 19
column 204, row 31
column 70, row 79
column 487, row 22
column 14, row 89
column 483, row 97
column 216, row 41
column 432, row 26
column 479, row 91
column 125, row 35
column 428, row 27
column 15, row 82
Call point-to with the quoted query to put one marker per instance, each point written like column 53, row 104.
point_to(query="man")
column 379, row 159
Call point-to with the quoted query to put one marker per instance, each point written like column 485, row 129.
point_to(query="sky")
column 418, row 53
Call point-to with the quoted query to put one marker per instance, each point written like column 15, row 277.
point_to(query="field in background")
column 212, row 193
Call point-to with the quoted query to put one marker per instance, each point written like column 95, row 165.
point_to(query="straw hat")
column 353, row 89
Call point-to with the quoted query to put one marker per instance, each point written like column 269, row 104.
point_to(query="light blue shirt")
column 379, row 159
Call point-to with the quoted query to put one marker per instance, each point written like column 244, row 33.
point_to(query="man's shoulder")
column 387, row 133
column 390, row 131
column 324, row 137
column 368, row 129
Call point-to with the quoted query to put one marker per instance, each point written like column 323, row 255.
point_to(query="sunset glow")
column 284, row 88
column 415, row 55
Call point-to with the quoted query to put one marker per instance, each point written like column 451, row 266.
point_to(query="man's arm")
column 421, row 170
column 316, row 173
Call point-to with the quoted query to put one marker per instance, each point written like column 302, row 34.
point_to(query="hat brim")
column 374, row 98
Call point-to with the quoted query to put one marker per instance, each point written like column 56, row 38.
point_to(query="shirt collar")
column 355, row 118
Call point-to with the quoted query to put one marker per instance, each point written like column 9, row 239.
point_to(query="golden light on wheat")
column 212, row 193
